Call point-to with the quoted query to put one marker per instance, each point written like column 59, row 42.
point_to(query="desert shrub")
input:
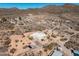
column 10, row 26
column 30, row 37
column 5, row 24
column 3, row 19
column 50, row 46
column 63, row 39
column 20, row 18
column 71, row 44
column 18, row 31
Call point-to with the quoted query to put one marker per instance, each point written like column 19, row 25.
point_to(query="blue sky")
column 26, row 5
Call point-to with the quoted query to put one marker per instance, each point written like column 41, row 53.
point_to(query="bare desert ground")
column 39, row 32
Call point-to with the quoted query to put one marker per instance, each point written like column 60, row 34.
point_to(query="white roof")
column 38, row 35
column 76, row 51
column 57, row 53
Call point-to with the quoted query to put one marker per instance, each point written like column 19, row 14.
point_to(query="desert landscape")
column 48, row 31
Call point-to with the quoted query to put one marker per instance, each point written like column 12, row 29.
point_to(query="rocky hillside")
column 66, row 8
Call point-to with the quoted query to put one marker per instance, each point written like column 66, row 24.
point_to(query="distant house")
column 76, row 52
column 57, row 53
